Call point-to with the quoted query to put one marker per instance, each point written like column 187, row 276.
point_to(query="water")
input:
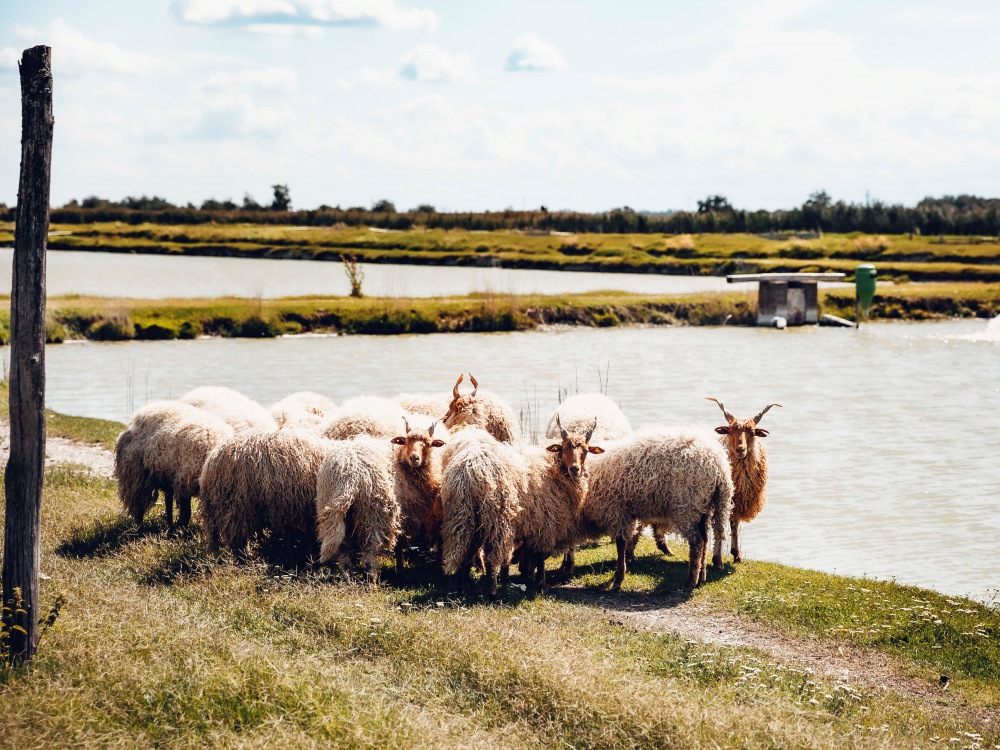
column 162, row 277
column 885, row 460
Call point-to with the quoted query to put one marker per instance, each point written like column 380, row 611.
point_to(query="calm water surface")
column 885, row 460
column 161, row 277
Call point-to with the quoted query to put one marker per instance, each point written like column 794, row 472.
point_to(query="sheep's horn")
column 561, row 428
column 729, row 416
column 475, row 383
column 763, row 412
column 590, row 432
column 430, row 430
column 454, row 391
column 406, row 424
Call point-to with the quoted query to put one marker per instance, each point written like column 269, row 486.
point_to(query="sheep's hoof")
column 737, row 557
column 717, row 562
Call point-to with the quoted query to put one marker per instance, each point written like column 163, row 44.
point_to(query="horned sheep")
column 748, row 459
column 482, row 409
column 678, row 479
column 240, row 412
column 495, row 497
column 260, row 480
column 373, row 495
column 164, row 449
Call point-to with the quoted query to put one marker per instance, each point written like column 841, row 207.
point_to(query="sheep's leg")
column 630, row 550
column 168, row 501
column 569, row 562
column 504, row 576
column 622, row 544
column 660, row 537
column 399, row 560
column 697, row 540
column 540, row 571
column 734, row 528
column 184, row 510
column 492, row 576
column 717, row 553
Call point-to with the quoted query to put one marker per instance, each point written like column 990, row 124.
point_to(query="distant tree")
column 425, row 208
column 92, row 201
column 384, row 206
column 72, row 204
column 543, row 209
column 213, row 205
column 152, row 203
column 355, row 274
column 282, row 198
column 716, row 204
column 820, row 199
column 249, row 204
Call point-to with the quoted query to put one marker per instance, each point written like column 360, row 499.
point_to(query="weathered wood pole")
column 26, row 465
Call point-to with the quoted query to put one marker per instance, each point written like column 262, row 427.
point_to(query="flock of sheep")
column 448, row 474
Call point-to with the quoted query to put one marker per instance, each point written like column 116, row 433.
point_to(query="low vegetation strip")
column 102, row 319
column 904, row 257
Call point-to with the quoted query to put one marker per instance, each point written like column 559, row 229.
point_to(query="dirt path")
column 98, row 460
column 857, row 667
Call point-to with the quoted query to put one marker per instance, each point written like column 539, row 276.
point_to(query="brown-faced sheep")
column 495, row 497
column 679, row 479
column 748, row 459
column 239, row 411
column 482, row 409
column 257, row 481
column 303, row 410
column 164, row 449
column 369, row 490
column 364, row 415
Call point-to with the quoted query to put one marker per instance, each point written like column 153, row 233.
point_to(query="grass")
column 901, row 256
column 101, row 432
column 105, row 319
column 161, row 643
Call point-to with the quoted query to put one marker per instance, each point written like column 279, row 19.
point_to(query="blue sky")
column 475, row 105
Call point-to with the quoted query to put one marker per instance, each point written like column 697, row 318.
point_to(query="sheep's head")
column 460, row 409
column 741, row 433
column 416, row 445
column 572, row 450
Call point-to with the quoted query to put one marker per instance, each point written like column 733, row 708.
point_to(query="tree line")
column 959, row 215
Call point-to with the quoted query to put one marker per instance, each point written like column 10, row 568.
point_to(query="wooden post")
column 26, row 465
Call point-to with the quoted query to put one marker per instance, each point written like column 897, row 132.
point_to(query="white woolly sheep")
column 364, row 415
column 433, row 405
column 260, row 480
column 239, row 411
column 369, row 489
column 302, row 410
column 496, row 497
column 164, row 449
column 679, row 479
column 482, row 409
column 748, row 459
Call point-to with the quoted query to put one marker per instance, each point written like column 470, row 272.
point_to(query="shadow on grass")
column 106, row 535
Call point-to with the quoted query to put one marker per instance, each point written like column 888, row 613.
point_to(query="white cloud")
column 374, row 77
column 530, row 52
column 941, row 17
column 265, row 79
column 428, row 62
column 73, row 52
column 272, row 14
column 9, row 58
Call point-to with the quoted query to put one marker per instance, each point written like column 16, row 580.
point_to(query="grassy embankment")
column 125, row 319
column 160, row 643
column 901, row 257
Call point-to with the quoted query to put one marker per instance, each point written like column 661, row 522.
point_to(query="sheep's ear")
column 595, row 449
column 398, row 440
column 437, row 443
column 761, row 433
column 554, row 448
column 722, row 430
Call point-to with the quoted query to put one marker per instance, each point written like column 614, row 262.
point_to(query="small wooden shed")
column 792, row 296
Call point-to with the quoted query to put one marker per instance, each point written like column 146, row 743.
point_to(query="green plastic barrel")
column 864, row 283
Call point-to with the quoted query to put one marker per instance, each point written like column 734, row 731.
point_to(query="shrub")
column 190, row 329
column 154, row 332
column 117, row 327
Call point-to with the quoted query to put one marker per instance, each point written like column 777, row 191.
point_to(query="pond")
column 883, row 461
column 161, row 277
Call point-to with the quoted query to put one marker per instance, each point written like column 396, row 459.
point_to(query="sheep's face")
column 460, row 411
column 741, row 435
column 416, row 446
column 571, row 455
